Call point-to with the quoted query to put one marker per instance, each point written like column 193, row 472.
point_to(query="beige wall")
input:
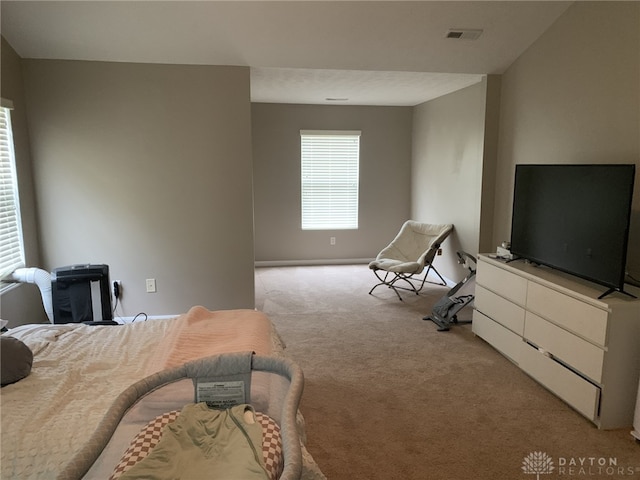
column 146, row 168
column 447, row 169
column 385, row 162
column 574, row 97
column 22, row 303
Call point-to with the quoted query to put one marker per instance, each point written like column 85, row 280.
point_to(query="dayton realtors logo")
column 539, row 463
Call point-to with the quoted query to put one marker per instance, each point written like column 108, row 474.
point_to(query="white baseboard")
column 303, row 263
column 142, row 318
column 341, row 261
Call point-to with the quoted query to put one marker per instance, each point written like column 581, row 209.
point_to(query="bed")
column 91, row 388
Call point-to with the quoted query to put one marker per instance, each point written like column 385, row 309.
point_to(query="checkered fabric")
column 271, row 445
column 150, row 435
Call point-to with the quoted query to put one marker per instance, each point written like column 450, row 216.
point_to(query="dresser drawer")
column 573, row 389
column 506, row 284
column 502, row 339
column 585, row 320
column 583, row 356
column 499, row 309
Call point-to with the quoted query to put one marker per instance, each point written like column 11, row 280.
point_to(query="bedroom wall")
column 452, row 148
column 385, row 163
column 21, row 303
column 146, row 168
column 574, row 97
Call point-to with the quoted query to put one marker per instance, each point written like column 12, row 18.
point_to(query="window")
column 11, row 245
column 330, row 172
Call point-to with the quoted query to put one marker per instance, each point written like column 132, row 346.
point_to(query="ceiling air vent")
column 464, row 33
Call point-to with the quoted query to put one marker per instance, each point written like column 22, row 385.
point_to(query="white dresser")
column 552, row 325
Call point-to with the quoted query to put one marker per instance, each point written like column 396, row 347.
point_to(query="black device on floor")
column 71, row 293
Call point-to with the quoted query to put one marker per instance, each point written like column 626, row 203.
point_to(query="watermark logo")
column 537, row 463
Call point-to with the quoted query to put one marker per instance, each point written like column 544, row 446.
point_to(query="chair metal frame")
column 408, row 278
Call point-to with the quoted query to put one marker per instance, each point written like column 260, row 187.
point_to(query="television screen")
column 574, row 218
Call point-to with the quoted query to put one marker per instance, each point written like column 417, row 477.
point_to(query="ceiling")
column 318, row 52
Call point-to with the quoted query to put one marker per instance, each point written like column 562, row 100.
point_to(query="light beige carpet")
column 388, row 397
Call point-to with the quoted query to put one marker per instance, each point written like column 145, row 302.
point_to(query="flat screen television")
column 574, row 218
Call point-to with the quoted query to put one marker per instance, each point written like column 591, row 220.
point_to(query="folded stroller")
column 445, row 311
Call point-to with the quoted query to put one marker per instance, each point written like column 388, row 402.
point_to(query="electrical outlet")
column 151, row 285
column 117, row 289
column 332, row 240
column 439, row 251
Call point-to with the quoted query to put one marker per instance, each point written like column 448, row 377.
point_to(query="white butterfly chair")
column 413, row 249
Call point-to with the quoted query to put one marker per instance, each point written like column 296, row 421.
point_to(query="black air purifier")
column 71, row 293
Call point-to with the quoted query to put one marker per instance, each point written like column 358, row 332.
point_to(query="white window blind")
column 330, row 179
column 11, row 245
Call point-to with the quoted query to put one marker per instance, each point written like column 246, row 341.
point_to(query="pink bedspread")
column 200, row 333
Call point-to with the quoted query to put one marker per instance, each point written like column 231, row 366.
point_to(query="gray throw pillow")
column 16, row 360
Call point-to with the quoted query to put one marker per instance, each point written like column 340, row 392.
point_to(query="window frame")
column 12, row 253
column 329, row 179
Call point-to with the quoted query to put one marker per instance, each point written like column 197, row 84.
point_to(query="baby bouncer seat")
column 445, row 311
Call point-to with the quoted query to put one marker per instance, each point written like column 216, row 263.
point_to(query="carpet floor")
column 387, row 396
